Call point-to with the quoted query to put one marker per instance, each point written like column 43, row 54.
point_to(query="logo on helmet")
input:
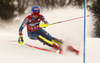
column 36, row 9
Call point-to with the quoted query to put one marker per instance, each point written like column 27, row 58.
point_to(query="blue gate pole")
column 84, row 30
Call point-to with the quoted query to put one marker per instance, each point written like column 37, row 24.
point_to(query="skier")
column 35, row 31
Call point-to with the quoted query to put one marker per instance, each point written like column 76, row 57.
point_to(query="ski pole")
column 45, row 25
column 40, row 48
column 34, row 46
column 68, row 20
column 13, row 41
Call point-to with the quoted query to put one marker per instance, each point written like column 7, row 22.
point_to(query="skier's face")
column 35, row 15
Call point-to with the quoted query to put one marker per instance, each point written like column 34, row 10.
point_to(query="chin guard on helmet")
column 35, row 13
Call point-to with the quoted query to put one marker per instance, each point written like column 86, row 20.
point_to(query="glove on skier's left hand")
column 20, row 40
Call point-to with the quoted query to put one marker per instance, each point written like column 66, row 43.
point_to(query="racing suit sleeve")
column 23, row 25
column 44, row 20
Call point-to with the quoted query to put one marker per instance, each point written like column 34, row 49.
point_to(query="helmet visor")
column 36, row 13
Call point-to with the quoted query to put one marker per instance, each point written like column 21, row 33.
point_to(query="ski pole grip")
column 43, row 25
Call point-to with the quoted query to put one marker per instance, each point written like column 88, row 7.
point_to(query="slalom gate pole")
column 68, row 20
column 84, row 31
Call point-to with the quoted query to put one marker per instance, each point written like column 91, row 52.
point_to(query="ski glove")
column 20, row 40
column 43, row 25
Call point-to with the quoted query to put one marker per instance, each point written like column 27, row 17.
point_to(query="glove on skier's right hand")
column 20, row 40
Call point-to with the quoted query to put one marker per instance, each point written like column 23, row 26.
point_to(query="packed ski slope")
column 70, row 32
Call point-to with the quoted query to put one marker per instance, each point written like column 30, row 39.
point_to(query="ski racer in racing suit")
column 37, row 33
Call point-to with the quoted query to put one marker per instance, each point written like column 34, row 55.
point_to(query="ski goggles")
column 35, row 13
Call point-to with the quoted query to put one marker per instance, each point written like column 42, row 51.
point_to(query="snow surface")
column 92, row 44
column 70, row 32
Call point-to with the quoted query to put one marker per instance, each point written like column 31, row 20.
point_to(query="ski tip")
column 77, row 52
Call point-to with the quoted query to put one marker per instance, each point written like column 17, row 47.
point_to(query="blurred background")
column 95, row 13
column 13, row 12
column 10, row 10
